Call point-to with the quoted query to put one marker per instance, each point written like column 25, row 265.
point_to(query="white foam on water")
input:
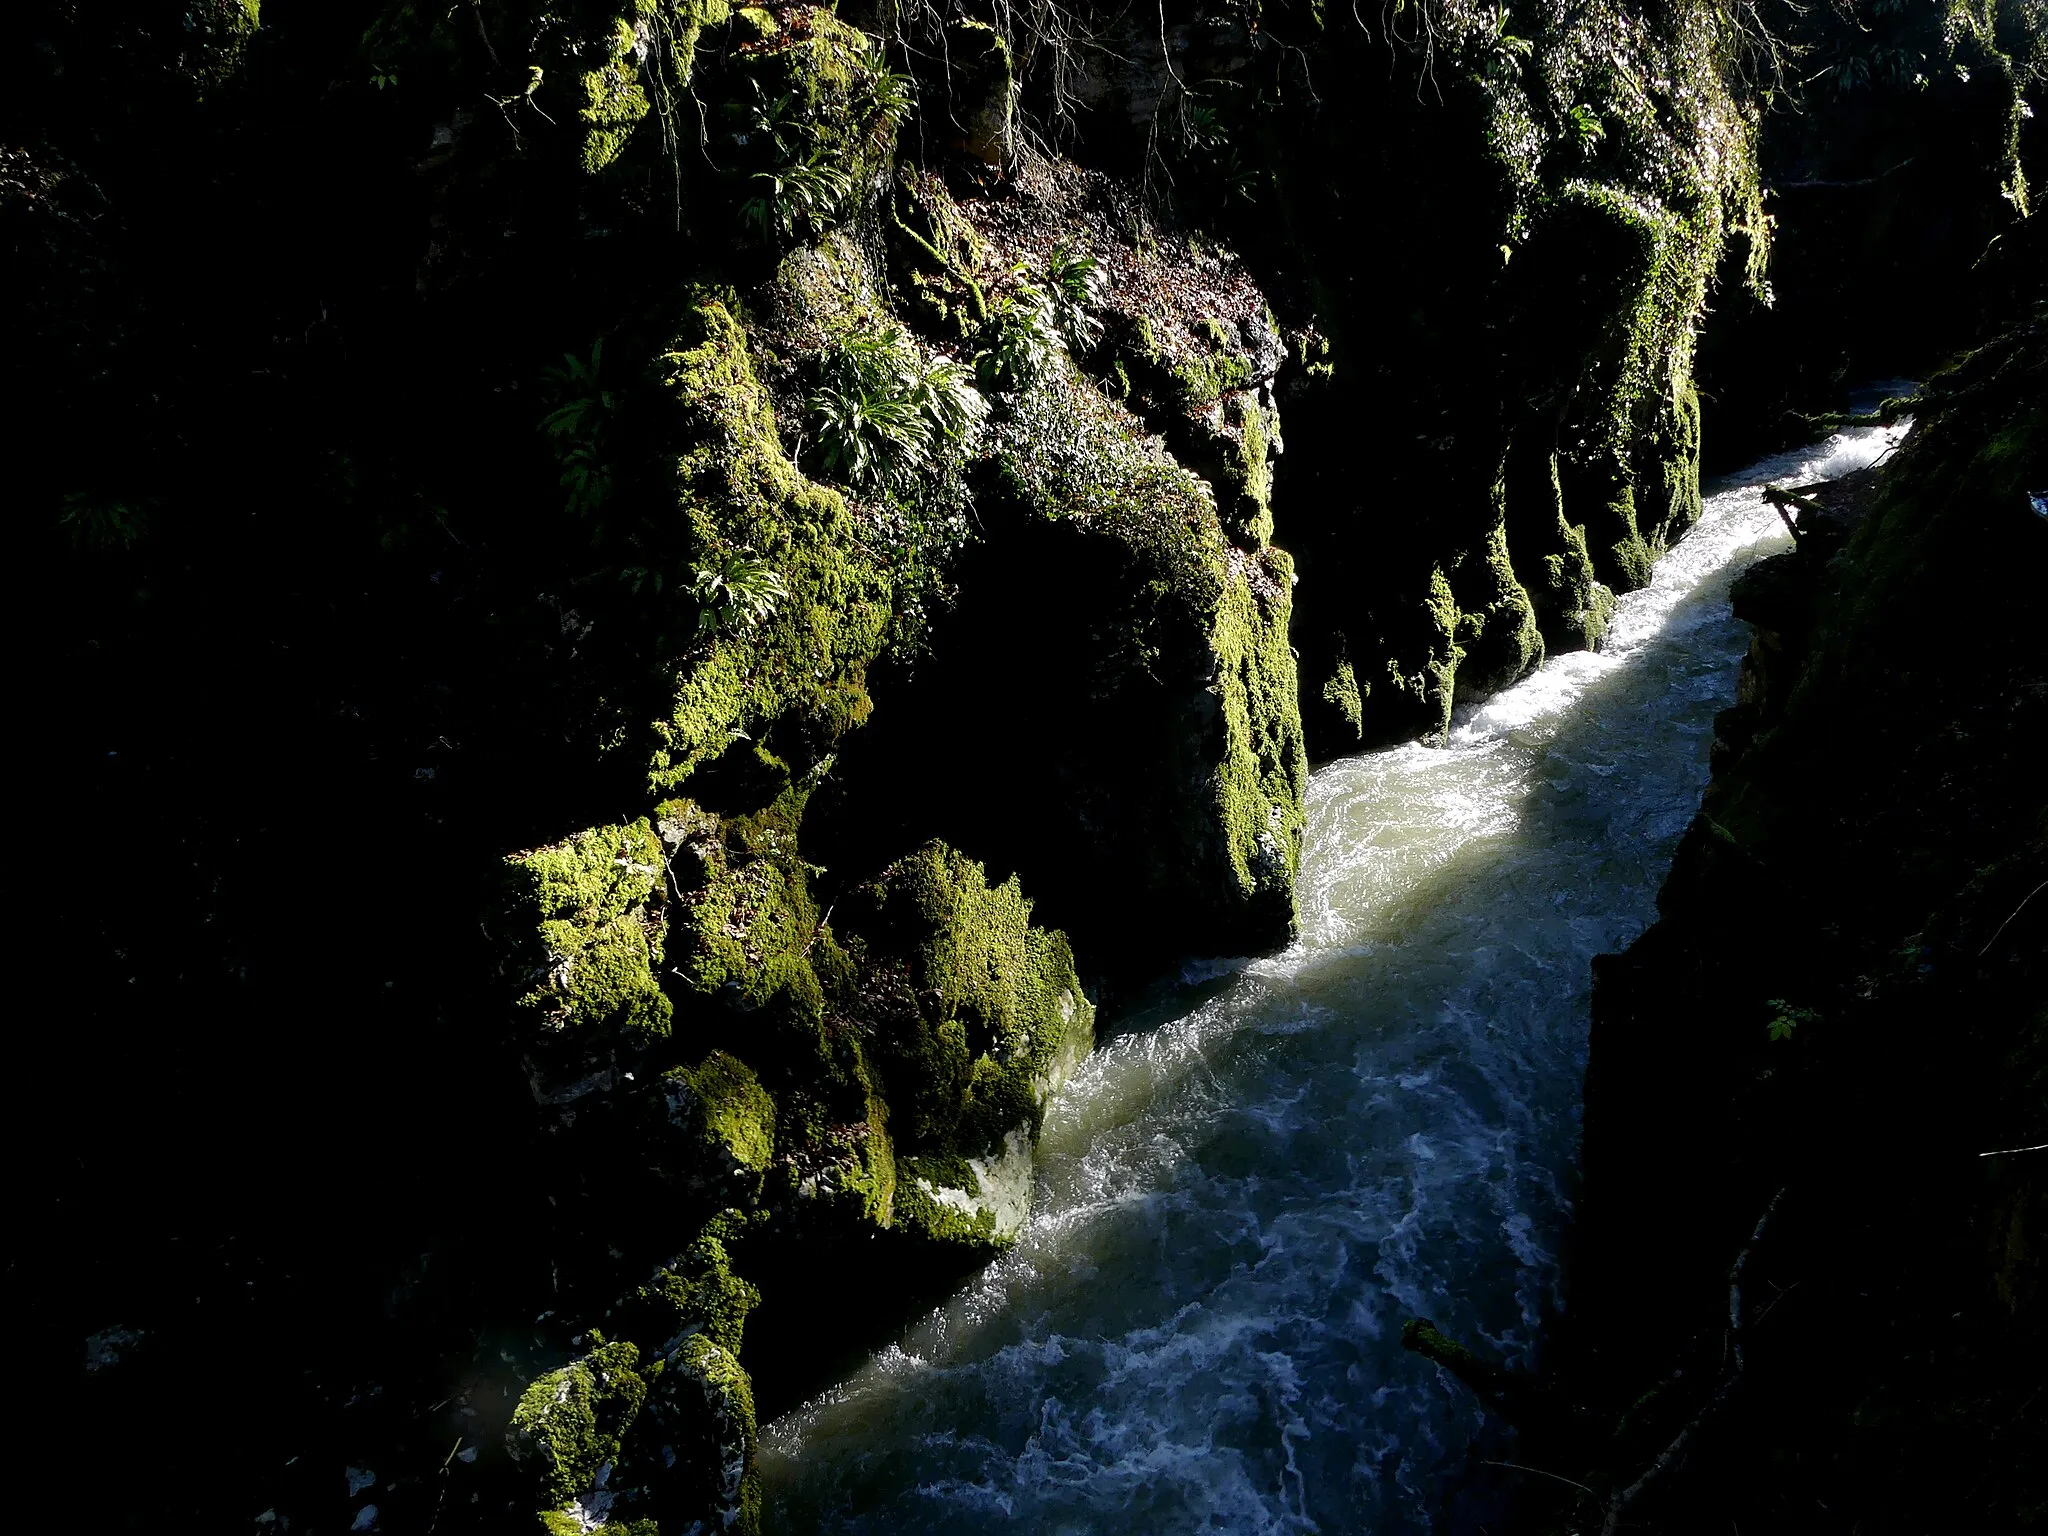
column 1198, row 1329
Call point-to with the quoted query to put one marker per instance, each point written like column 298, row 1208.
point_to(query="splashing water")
column 1240, row 1200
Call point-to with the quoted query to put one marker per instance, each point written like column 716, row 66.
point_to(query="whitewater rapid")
column 1243, row 1194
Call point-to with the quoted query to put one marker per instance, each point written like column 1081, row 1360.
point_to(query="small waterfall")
column 1243, row 1194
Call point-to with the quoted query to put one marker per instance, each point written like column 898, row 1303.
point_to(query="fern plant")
column 1073, row 284
column 776, row 119
column 1200, row 128
column 736, row 588
column 577, row 426
column 946, row 398
column 1023, row 335
column 102, row 522
column 893, row 98
column 866, row 435
column 883, row 407
column 800, row 196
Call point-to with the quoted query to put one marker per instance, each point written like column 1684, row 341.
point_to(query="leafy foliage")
column 1786, row 1019
column 867, row 435
column 894, row 98
column 811, row 176
column 577, row 427
column 799, row 197
column 1509, row 52
column 946, row 397
column 737, row 587
column 1073, row 283
column 102, row 523
column 1200, row 128
column 884, row 407
column 1023, row 334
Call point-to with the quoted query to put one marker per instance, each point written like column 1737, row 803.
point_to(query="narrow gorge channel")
column 1248, row 1188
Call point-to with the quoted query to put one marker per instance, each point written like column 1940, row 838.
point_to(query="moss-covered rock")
column 1605, row 160
column 567, row 1430
column 1667, row 488
column 636, row 60
column 836, row 1182
column 1571, row 604
column 1498, row 639
column 703, row 1412
column 1189, row 654
column 739, row 491
column 724, row 1118
column 972, row 1013
column 935, row 256
column 659, row 1431
column 969, row 1206
column 587, row 918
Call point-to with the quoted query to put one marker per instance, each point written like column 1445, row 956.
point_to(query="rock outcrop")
column 1809, row 1253
column 675, row 583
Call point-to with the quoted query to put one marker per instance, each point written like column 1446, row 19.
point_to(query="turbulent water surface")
column 1241, row 1198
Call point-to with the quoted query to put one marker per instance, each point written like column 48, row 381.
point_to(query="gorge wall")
column 1804, row 1288
column 672, row 589
column 1827, row 1051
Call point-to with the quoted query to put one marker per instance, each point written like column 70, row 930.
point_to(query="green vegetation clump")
column 694, row 1293
column 979, row 1007
column 817, row 124
column 1347, row 695
column 721, row 1105
column 594, row 906
column 570, row 1422
column 739, row 489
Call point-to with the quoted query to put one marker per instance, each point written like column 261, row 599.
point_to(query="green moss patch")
column 966, row 1004
column 592, row 907
column 570, row 1422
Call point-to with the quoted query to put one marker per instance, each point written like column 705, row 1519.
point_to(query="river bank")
column 640, row 606
column 1810, row 1234
column 1246, row 1192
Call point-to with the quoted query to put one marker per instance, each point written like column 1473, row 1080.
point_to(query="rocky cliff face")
column 1896, row 186
column 668, row 581
column 1808, row 1283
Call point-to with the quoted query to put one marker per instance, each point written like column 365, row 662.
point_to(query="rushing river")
column 1243, row 1194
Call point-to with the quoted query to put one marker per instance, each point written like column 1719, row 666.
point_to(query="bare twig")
column 1682, row 1442
column 1860, row 181
column 446, row 1462
column 476, row 9
column 1516, row 1466
column 2016, row 911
